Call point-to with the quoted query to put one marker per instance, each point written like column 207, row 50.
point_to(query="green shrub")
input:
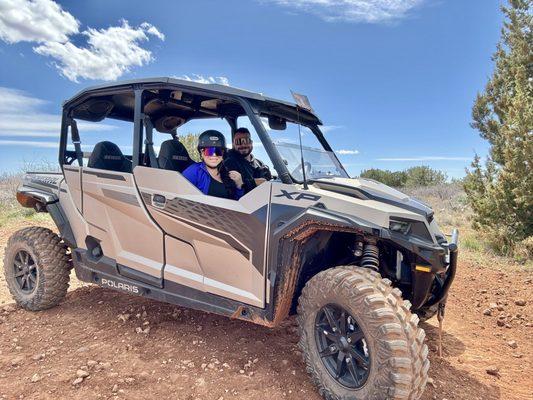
column 412, row 177
column 394, row 179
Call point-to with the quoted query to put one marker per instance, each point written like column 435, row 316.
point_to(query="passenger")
column 240, row 158
column 210, row 175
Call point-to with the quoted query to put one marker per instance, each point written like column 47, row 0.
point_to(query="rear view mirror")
column 277, row 123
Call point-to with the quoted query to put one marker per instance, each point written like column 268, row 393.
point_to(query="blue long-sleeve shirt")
column 198, row 175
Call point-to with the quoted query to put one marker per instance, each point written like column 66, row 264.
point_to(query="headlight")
column 400, row 226
column 410, row 227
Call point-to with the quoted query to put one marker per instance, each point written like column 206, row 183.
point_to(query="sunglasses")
column 212, row 151
column 243, row 141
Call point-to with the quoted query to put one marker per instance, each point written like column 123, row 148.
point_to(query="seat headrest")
column 174, row 156
column 107, row 155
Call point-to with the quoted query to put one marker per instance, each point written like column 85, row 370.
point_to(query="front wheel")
column 37, row 268
column 359, row 339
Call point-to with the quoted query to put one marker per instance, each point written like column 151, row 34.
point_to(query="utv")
column 358, row 262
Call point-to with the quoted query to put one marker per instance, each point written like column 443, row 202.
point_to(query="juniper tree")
column 501, row 191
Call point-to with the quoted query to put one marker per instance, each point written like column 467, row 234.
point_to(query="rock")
column 91, row 363
column 35, row 378
column 82, row 373
column 520, row 302
column 83, row 349
column 500, row 322
column 493, row 370
column 9, row 309
column 77, row 381
column 115, row 388
column 431, row 382
column 487, row 311
column 124, row 317
column 17, row 361
column 493, row 306
column 38, row 357
column 512, row 344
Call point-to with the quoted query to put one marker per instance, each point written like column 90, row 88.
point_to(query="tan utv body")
column 351, row 257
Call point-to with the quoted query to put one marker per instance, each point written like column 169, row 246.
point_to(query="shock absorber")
column 370, row 256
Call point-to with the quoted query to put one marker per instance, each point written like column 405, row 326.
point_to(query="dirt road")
column 119, row 346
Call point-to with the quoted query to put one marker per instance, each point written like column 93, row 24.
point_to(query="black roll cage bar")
column 253, row 109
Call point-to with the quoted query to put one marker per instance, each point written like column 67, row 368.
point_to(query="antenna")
column 301, row 148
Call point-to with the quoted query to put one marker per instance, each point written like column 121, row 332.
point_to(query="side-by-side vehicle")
column 358, row 262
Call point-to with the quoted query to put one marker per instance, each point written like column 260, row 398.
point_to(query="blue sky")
column 393, row 81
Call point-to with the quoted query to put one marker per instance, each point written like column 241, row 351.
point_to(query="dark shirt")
column 249, row 170
column 218, row 189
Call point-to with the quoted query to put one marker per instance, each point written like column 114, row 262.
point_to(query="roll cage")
column 127, row 101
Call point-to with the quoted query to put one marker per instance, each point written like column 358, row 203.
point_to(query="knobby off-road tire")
column 398, row 357
column 49, row 265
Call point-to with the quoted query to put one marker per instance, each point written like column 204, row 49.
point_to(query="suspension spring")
column 370, row 257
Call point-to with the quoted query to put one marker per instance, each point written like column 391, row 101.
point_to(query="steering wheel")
column 308, row 167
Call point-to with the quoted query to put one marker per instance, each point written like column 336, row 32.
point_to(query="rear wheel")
column 359, row 339
column 37, row 268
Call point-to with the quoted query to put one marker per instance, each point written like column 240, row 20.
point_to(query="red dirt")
column 194, row 355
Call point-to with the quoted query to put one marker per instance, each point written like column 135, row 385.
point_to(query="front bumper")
column 430, row 288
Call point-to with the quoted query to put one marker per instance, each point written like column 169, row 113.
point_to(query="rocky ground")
column 103, row 344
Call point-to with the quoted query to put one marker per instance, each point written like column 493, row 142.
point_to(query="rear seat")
column 107, row 155
column 174, row 156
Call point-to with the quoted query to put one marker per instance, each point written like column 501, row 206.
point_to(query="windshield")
column 318, row 162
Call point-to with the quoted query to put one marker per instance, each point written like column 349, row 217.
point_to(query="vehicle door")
column 211, row 244
column 114, row 213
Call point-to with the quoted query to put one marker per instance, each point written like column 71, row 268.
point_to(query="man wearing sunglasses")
column 240, row 159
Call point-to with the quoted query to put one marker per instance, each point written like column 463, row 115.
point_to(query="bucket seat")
column 174, row 156
column 107, row 155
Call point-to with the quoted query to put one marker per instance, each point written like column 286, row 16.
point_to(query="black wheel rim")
column 342, row 346
column 25, row 271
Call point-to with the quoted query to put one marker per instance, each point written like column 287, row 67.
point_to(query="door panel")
column 73, row 178
column 116, row 216
column 228, row 236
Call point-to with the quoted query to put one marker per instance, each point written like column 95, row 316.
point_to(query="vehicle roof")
column 211, row 87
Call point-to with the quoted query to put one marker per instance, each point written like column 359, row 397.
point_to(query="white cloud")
column 35, row 21
column 221, row 80
column 107, row 55
column 110, row 52
column 347, row 152
column 425, row 158
column 371, row 11
column 21, row 116
column 30, row 143
column 329, row 128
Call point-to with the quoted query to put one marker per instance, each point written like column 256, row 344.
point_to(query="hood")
column 369, row 189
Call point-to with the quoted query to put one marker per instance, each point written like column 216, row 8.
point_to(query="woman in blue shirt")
column 210, row 175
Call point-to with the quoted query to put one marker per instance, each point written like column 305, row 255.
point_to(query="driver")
column 240, row 159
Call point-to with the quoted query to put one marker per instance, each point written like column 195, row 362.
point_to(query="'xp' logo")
column 300, row 196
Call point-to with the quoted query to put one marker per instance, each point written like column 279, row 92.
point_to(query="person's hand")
column 237, row 178
column 259, row 181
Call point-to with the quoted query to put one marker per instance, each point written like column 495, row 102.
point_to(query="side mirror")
column 277, row 123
